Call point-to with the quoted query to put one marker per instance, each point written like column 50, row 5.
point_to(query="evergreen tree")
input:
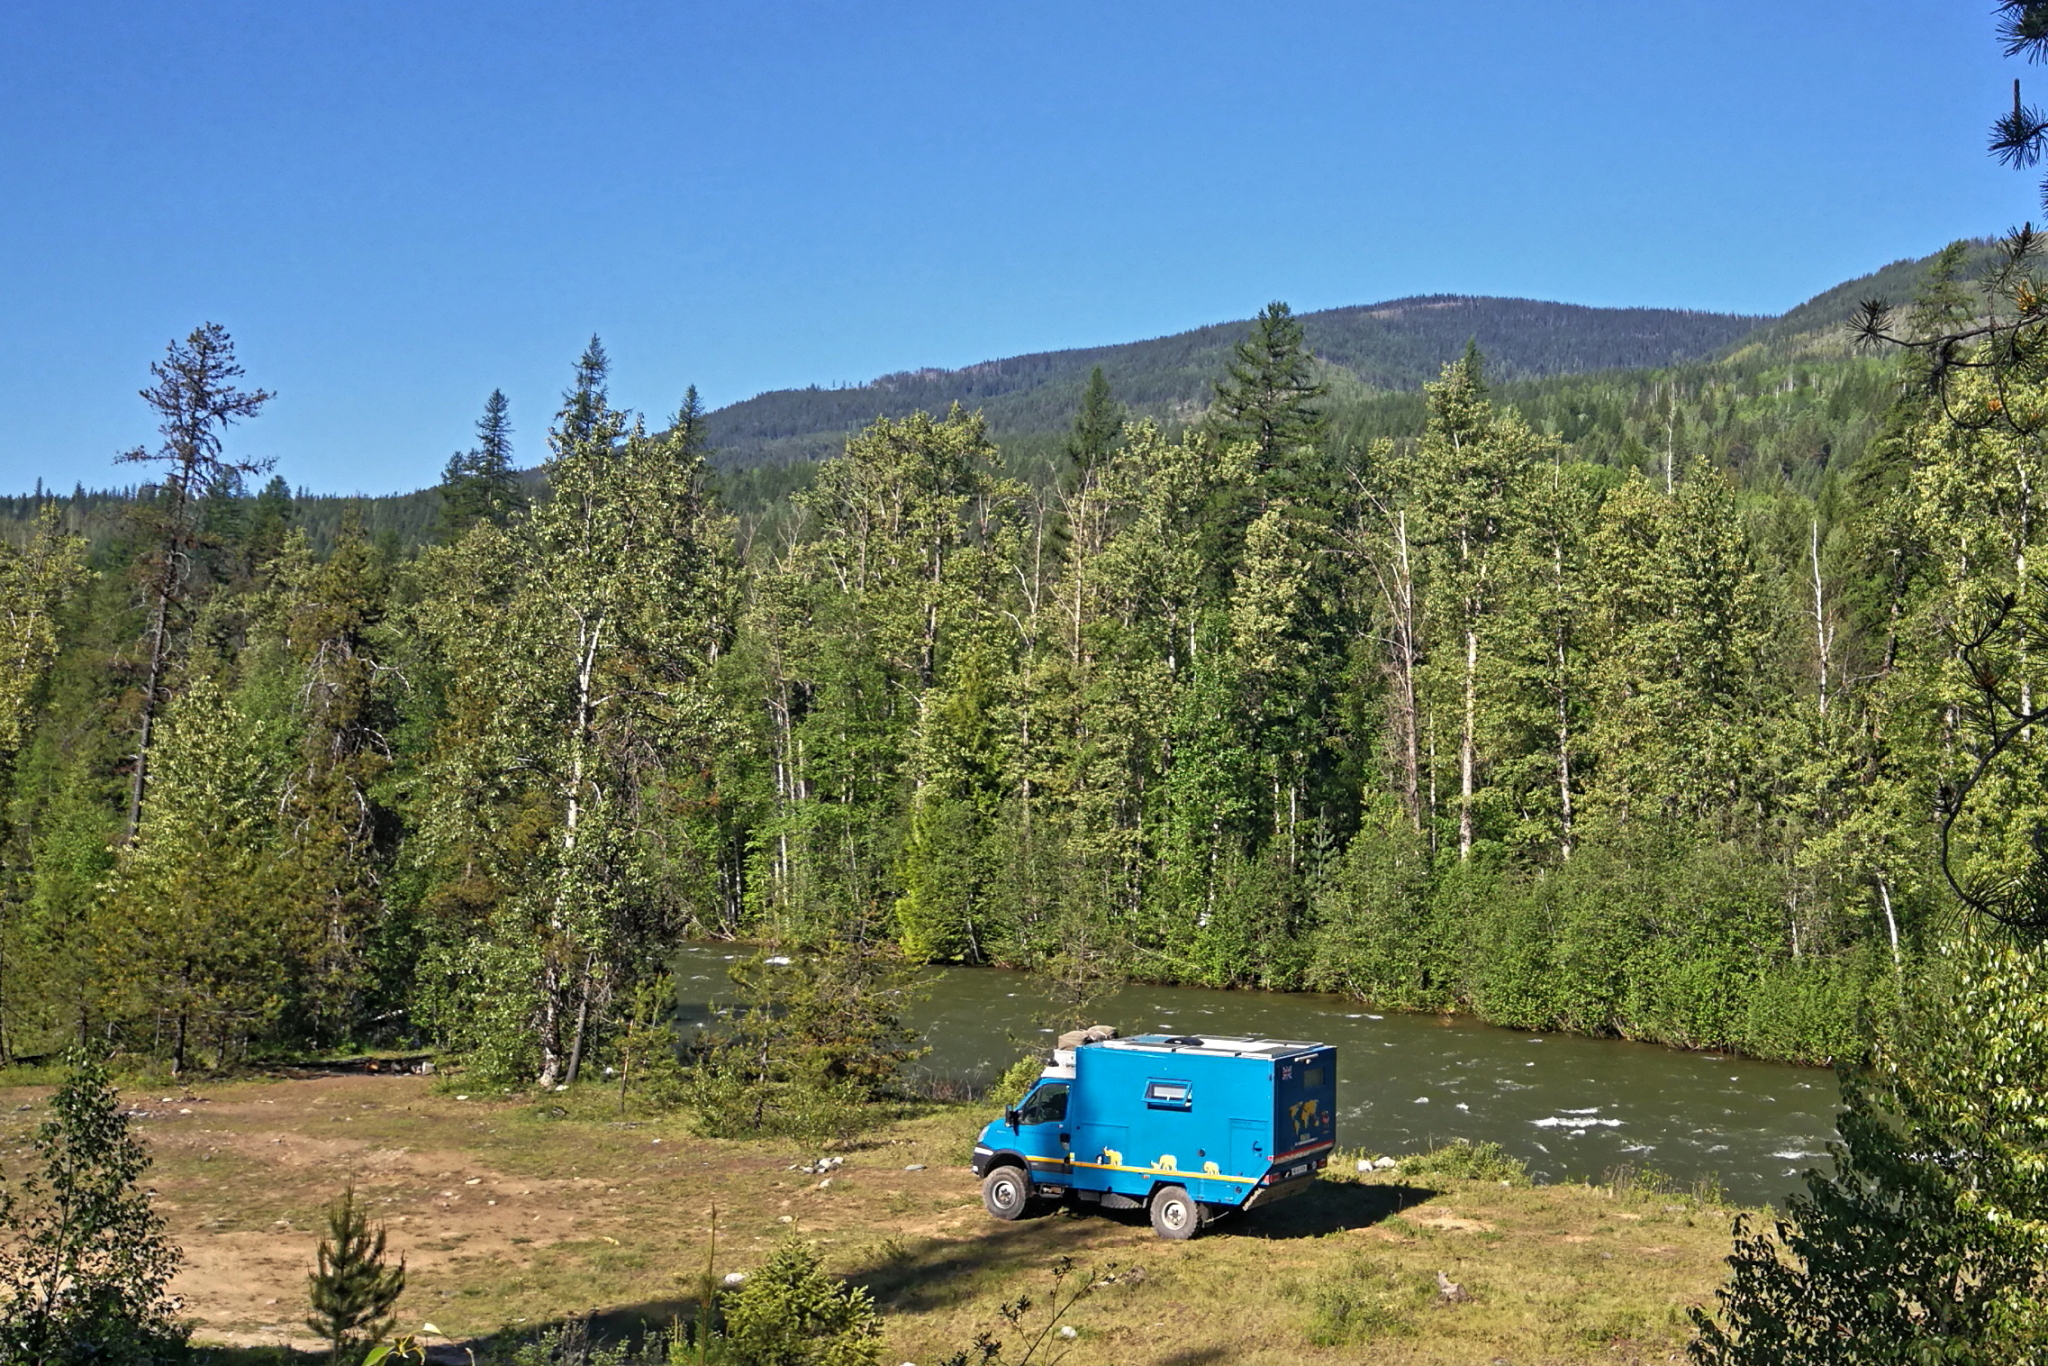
column 1098, row 427
column 196, row 913
column 1269, row 396
column 480, row 484
column 586, row 401
column 813, row 1035
column 323, row 634
column 353, row 1292
column 690, row 428
column 1929, row 1240
column 2018, row 138
column 269, row 521
column 790, row 1313
column 196, row 399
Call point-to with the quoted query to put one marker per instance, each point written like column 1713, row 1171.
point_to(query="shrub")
column 1464, row 1160
column 84, row 1263
column 1360, row 1301
column 790, row 1313
column 1010, row 1087
column 1929, row 1242
column 815, row 1038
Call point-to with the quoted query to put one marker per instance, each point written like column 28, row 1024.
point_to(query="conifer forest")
column 1623, row 701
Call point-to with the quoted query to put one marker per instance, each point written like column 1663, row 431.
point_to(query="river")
column 1572, row 1108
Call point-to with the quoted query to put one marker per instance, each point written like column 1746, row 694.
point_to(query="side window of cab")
column 1046, row 1105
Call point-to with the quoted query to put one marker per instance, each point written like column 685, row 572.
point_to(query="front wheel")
column 1174, row 1214
column 1005, row 1192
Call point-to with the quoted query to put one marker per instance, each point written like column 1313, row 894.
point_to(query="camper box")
column 1188, row 1127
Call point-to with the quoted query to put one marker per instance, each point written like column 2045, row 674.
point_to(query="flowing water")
column 1572, row 1108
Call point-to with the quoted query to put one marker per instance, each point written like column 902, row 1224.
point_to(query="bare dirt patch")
column 512, row 1214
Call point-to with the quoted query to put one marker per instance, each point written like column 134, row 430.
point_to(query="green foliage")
column 1032, row 1332
column 790, row 1313
column 1360, row 1301
column 84, row 1264
column 1017, row 1079
column 1467, row 1161
column 1619, row 702
column 480, row 484
column 353, row 1292
column 813, row 1039
column 1268, row 396
column 1391, row 346
column 649, row 1051
column 1929, row 1240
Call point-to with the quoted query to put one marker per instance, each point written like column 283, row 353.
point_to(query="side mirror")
column 1010, row 1116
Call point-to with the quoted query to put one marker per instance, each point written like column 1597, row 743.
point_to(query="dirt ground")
column 514, row 1213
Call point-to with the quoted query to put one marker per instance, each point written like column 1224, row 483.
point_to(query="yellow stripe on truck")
column 1148, row 1171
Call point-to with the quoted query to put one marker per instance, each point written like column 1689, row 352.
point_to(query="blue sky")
column 395, row 208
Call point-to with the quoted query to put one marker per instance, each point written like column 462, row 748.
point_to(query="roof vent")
column 1183, row 1041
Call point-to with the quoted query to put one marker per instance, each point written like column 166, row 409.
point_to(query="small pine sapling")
column 352, row 1290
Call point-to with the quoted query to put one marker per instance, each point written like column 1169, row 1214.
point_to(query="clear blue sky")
column 396, row 207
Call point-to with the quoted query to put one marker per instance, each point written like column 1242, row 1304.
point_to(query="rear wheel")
column 1174, row 1214
column 1006, row 1191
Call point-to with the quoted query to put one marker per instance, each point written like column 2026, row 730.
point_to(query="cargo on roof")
column 1187, row 1126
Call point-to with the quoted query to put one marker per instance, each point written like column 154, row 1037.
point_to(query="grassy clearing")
column 513, row 1214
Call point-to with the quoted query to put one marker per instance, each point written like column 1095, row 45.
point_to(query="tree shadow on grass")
column 909, row 1278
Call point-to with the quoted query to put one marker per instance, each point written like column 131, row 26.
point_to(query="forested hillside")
column 1393, row 345
column 1616, row 703
column 1390, row 347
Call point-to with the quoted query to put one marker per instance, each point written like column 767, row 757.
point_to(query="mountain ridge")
column 1387, row 344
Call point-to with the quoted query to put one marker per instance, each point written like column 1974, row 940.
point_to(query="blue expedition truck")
column 1189, row 1128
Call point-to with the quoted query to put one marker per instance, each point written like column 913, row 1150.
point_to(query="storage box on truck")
column 1187, row 1127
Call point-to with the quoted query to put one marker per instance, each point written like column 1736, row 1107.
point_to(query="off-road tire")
column 1006, row 1192
column 1175, row 1214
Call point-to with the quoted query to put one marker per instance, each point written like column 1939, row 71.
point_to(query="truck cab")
column 1187, row 1127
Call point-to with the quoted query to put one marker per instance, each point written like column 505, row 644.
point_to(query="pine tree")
column 690, row 428
column 271, row 518
column 790, row 1313
column 1929, row 1240
column 1270, row 392
column 1098, row 427
column 195, row 915
column 352, row 1290
column 480, row 484
column 586, row 400
column 195, row 399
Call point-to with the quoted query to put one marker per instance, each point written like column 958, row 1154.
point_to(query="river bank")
column 514, row 1213
column 1569, row 1106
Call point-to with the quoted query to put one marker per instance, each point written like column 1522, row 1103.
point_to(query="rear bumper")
column 1280, row 1190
